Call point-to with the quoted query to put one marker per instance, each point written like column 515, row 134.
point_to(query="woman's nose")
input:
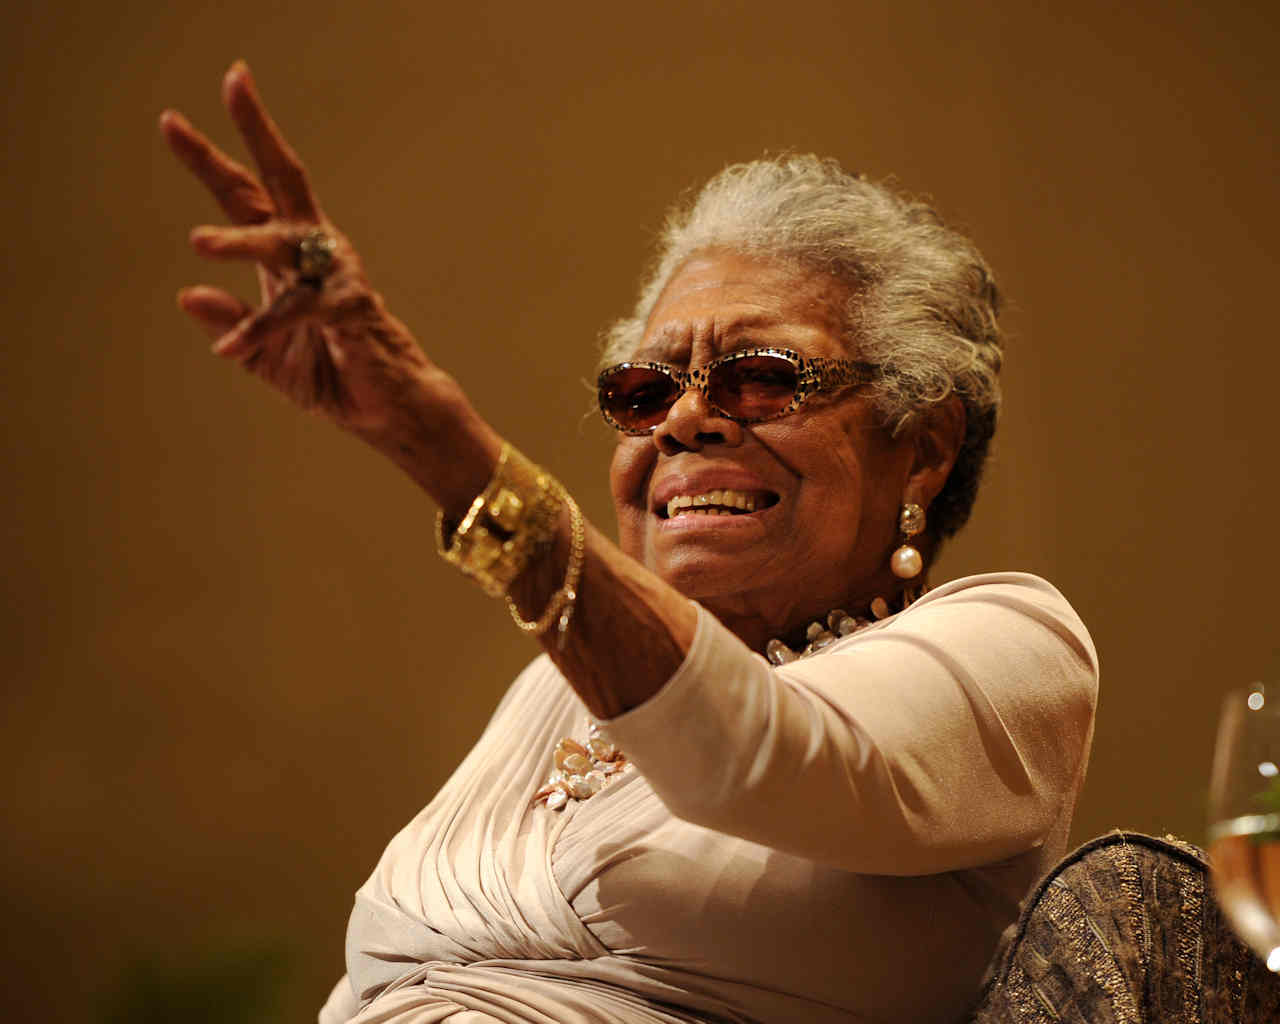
column 692, row 423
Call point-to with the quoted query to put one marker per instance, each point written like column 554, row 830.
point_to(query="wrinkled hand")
column 330, row 346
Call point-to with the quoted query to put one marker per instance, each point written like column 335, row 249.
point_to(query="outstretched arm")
column 333, row 348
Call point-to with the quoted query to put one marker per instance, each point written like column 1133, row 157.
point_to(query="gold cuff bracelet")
column 507, row 525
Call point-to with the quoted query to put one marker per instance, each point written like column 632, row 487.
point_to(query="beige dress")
column 841, row 839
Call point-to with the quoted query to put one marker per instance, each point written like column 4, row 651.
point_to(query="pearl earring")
column 907, row 563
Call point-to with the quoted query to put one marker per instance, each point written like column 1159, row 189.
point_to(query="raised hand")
column 324, row 339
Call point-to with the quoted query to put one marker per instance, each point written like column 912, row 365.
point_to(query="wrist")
column 440, row 441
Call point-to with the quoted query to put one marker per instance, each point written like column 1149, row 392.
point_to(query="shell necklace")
column 579, row 770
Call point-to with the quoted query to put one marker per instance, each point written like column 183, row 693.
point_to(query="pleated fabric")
column 840, row 840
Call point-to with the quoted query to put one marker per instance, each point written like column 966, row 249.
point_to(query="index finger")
column 283, row 175
column 243, row 199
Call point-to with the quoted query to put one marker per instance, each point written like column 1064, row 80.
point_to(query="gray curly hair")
column 922, row 301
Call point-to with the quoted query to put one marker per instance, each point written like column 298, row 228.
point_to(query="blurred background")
column 233, row 664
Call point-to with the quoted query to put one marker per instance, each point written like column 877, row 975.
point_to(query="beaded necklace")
column 579, row 770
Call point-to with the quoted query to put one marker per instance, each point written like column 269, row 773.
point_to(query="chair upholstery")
column 1125, row 930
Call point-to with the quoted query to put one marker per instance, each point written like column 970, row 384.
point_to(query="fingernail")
column 236, row 81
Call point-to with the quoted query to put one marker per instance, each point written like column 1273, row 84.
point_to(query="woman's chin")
column 718, row 568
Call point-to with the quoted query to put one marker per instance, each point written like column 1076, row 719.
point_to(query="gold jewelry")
column 907, row 563
column 561, row 604
column 512, row 520
column 314, row 258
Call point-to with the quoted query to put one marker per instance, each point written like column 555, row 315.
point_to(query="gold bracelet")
column 561, row 604
column 513, row 519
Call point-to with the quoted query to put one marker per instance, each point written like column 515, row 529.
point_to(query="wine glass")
column 1244, row 818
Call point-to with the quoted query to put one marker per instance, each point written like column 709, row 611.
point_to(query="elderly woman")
column 758, row 773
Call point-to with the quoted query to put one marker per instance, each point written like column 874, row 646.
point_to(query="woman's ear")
column 939, row 433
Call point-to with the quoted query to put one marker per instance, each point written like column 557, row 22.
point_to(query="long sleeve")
column 954, row 734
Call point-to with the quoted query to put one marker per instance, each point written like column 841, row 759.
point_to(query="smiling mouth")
column 723, row 502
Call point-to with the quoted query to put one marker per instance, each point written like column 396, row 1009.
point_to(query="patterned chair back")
column 1125, row 930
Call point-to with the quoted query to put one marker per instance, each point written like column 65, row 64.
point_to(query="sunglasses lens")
column 753, row 387
column 636, row 397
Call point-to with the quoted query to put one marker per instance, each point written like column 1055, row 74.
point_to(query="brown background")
column 233, row 664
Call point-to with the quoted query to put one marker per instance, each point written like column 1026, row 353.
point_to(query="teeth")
column 701, row 504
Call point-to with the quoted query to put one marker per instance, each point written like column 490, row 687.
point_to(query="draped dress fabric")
column 841, row 839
